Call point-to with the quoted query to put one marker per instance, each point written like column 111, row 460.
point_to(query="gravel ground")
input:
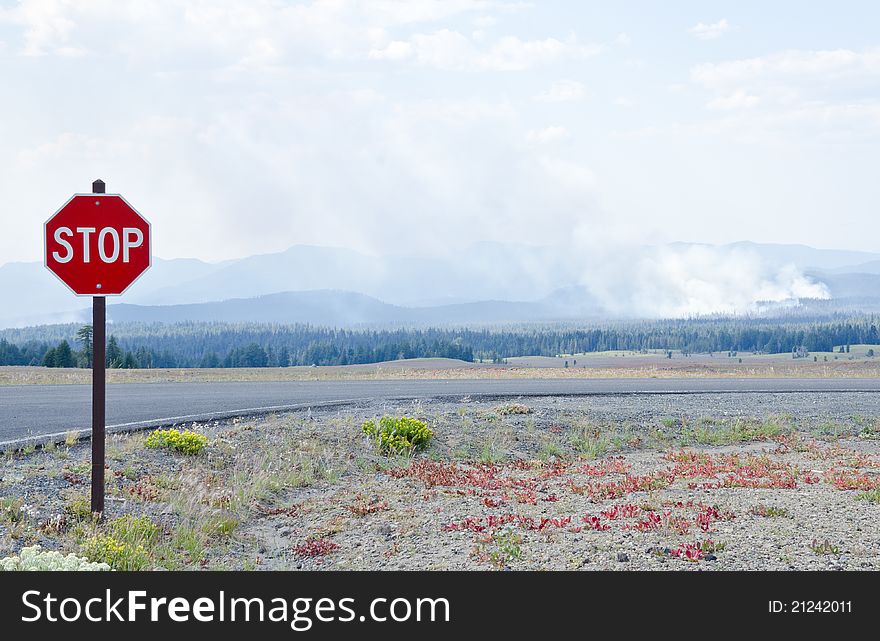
column 673, row 482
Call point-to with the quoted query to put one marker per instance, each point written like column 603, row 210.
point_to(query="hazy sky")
column 242, row 127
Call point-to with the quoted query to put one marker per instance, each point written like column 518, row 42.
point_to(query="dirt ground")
column 690, row 483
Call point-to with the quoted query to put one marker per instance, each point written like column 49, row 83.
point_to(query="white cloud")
column 484, row 22
column 804, row 69
column 830, row 94
column 450, row 50
column 546, row 135
column 339, row 169
column 396, row 50
column 623, row 101
column 563, row 91
column 623, row 40
column 737, row 100
column 327, row 121
column 574, row 180
column 711, row 31
column 223, row 32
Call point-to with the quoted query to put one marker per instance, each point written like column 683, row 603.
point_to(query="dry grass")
column 755, row 368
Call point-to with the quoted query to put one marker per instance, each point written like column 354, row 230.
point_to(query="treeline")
column 63, row 355
column 265, row 345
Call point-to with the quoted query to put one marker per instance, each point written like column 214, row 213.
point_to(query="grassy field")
column 600, row 365
column 548, row 485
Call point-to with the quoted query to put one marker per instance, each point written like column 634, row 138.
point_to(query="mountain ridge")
column 483, row 282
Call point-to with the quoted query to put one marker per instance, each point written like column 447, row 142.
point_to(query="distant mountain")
column 484, row 282
column 31, row 294
column 323, row 307
column 858, row 285
column 483, row 271
column 802, row 256
column 871, row 267
column 338, row 308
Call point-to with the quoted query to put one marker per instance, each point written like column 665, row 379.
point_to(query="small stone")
column 623, row 557
column 710, row 557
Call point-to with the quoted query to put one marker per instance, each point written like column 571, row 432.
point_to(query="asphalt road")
column 44, row 410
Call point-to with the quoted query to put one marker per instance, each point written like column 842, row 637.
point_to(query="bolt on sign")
column 98, row 245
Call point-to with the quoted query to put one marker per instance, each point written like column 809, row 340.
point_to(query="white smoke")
column 686, row 280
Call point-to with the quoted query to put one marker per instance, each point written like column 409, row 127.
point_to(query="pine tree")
column 64, row 356
column 210, row 360
column 49, row 358
column 84, row 336
column 114, row 353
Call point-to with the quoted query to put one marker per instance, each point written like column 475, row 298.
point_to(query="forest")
column 146, row 345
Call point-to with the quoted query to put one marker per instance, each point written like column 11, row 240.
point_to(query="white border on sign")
column 149, row 243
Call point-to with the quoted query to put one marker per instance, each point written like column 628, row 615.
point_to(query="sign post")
column 97, row 245
column 99, row 389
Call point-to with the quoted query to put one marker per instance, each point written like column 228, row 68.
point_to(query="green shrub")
column 134, row 529
column 513, row 408
column 79, row 507
column 222, row 525
column 590, row 442
column 104, row 548
column 549, row 449
column 187, row 442
column 396, row 435
column 11, row 509
column 125, row 543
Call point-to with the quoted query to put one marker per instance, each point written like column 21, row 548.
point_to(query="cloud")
column 623, row 40
column 807, row 94
column 484, row 22
column 711, row 31
column 245, row 127
column 563, row 91
column 397, row 50
column 346, row 169
column 546, row 135
column 224, row 33
column 794, row 72
column 737, row 100
column 452, row 51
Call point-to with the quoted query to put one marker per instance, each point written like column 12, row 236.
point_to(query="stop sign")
column 97, row 244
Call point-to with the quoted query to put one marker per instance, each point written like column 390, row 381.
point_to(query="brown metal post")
column 99, row 349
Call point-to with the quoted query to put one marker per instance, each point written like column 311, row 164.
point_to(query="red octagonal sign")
column 97, row 244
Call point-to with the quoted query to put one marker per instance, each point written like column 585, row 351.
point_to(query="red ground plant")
column 315, row 547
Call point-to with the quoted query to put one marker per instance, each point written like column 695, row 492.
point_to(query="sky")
column 243, row 127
